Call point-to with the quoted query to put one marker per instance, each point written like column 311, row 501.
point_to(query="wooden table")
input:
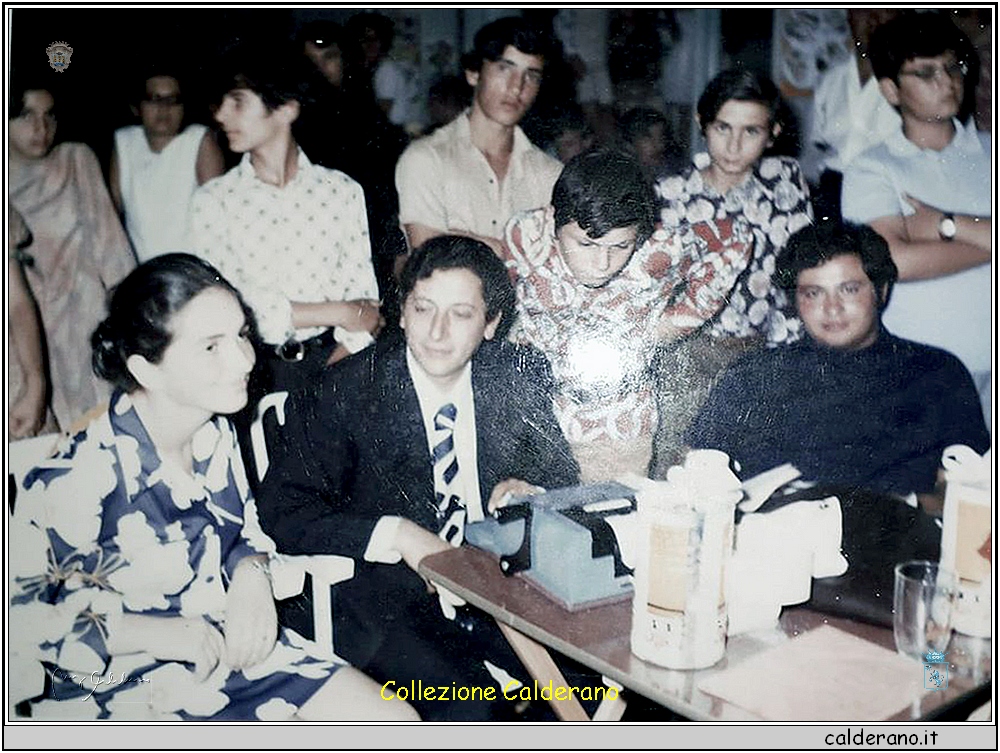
column 598, row 637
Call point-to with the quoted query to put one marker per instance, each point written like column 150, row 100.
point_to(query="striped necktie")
column 450, row 507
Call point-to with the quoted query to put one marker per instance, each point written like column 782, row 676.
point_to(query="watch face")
column 947, row 228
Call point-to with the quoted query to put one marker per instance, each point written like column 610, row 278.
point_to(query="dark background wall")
column 110, row 45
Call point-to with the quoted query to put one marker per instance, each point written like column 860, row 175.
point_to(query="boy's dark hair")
column 276, row 72
column 462, row 252
column 924, row 35
column 815, row 245
column 491, row 40
column 744, row 86
column 451, row 89
column 604, row 189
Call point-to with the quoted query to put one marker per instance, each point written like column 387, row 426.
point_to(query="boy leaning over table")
column 600, row 286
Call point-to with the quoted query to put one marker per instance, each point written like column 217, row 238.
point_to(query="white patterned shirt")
column 305, row 242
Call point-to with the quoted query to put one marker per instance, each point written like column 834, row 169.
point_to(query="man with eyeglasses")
column 471, row 175
column 926, row 190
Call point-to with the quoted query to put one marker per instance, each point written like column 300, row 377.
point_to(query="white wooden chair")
column 287, row 571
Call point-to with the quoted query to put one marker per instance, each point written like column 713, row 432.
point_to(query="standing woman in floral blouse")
column 139, row 577
column 739, row 115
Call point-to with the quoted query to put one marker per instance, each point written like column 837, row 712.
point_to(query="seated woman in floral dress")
column 740, row 115
column 139, row 577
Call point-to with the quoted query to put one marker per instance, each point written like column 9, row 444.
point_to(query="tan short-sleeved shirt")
column 445, row 182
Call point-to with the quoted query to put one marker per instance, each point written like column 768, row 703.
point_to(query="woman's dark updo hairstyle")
column 744, row 86
column 141, row 307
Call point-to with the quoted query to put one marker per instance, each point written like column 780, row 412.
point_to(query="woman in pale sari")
column 78, row 249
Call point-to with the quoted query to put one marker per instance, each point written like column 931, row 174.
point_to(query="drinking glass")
column 923, row 602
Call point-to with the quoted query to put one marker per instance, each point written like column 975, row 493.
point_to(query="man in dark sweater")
column 850, row 405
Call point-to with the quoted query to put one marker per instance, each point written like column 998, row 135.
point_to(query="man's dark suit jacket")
column 354, row 449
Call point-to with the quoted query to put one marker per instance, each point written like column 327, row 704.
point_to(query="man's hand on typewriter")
column 507, row 489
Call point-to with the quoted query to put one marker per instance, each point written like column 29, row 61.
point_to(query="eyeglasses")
column 930, row 72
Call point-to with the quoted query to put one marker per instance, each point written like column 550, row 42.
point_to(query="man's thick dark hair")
column 923, row 35
column 604, row 189
column 275, row 72
column 744, row 86
column 462, row 252
column 141, row 309
column 491, row 40
column 815, row 245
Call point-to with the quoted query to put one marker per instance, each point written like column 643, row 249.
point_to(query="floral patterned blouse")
column 774, row 201
column 601, row 341
column 105, row 528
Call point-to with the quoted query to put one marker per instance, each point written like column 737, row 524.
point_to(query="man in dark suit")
column 395, row 448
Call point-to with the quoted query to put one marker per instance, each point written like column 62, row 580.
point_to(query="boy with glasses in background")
column 926, row 190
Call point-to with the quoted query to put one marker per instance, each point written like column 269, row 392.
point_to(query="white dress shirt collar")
column 965, row 141
column 249, row 175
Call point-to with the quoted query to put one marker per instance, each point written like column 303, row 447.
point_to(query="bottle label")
column 669, row 568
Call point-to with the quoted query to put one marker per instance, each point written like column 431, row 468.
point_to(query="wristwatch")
column 947, row 227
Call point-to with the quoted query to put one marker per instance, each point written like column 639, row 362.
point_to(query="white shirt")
column 954, row 311
column 849, row 118
column 156, row 189
column 466, row 482
column 306, row 241
column 445, row 182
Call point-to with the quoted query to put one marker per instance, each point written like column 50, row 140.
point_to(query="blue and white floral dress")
column 106, row 528
column 774, row 202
